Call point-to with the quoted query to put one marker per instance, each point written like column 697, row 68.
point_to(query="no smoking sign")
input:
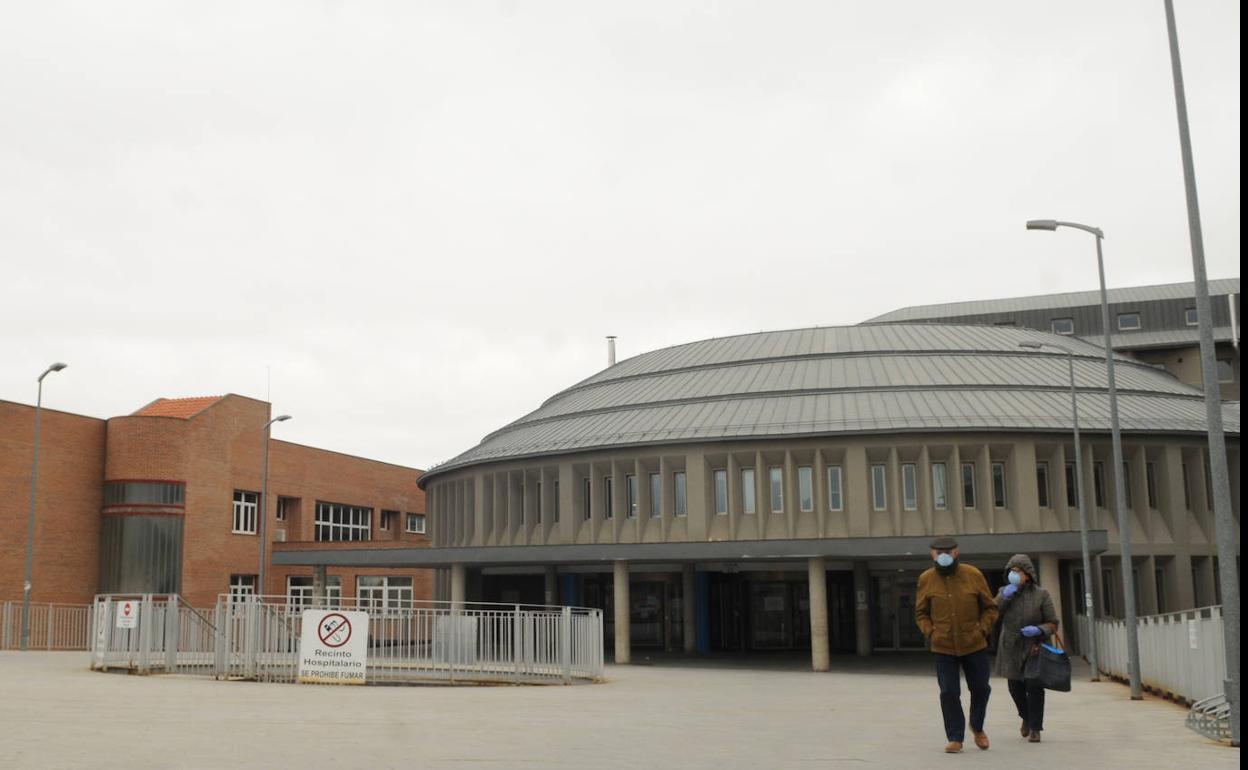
column 333, row 646
column 335, row 630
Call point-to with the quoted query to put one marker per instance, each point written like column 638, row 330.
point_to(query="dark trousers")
column 1029, row 700
column 976, row 668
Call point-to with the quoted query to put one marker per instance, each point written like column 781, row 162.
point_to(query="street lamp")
column 264, row 502
column 1083, row 512
column 1124, row 522
column 1223, row 515
column 30, row 519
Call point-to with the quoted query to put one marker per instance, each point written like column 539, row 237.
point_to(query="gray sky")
column 423, row 217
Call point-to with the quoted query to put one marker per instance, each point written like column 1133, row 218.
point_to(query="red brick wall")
column 67, row 532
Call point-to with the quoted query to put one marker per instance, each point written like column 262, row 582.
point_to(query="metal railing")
column 408, row 641
column 52, row 626
column 1182, row 654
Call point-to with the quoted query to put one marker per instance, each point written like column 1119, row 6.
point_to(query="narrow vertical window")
column 538, row 490
column 940, row 487
column 836, row 498
column 998, row 485
column 678, row 489
column 1187, row 489
column 556, row 501
column 630, row 485
column 1072, row 486
column 608, row 492
column 909, row 487
column 1126, row 486
column 587, row 489
column 1150, row 479
column 1098, row 483
column 879, row 490
column 721, row 492
column 805, row 488
column 1042, row 484
column 749, row 495
column 656, row 495
column 777, row 489
column 968, row 485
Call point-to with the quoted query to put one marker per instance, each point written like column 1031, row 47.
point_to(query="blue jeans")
column 977, row 670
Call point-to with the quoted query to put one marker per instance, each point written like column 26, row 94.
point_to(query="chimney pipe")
column 611, row 350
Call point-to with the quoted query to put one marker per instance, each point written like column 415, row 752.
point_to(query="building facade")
column 778, row 490
column 167, row 500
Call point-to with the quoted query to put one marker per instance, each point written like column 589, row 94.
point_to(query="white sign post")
column 333, row 647
column 127, row 614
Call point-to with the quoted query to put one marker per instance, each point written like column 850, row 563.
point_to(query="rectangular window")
column 1150, row 481
column 1098, row 483
column 1042, row 484
column 1190, row 317
column 524, row 504
column 245, row 512
column 656, row 495
column 678, row 493
column 537, row 503
column 940, row 487
column 630, row 487
column 968, row 485
column 242, row 585
column 1107, row 593
column 909, row 487
column 338, row 522
column 749, row 493
column 387, row 519
column 998, row 485
column 721, row 492
column 381, row 593
column 415, row 523
column 1072, row 486
column 836, row 497
column 556, row 502
column 1063, row 326
column 1126, row 486
column 284, row 506
column 777, row 489
column 587, row 488
column 1159, row 577
column 144, row 493
column 1187, row 488
column 1226, row 370
column 608, row 493
column 299, row 591
column 805, row 488
column 1128, row 322
column 879, row 488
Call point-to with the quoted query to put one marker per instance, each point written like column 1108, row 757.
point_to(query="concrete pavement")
column 878, row 713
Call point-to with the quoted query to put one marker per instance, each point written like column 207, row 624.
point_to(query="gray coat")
column 1031, row 606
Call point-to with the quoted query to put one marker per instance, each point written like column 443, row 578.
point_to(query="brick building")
column 166, row 500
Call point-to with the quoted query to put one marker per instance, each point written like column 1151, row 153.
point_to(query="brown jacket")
column 955, row 612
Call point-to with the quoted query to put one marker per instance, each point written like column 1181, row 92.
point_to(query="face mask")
column 944, row 559
column 1015, row 578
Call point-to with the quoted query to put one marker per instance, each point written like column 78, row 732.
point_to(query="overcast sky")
column 415, row 221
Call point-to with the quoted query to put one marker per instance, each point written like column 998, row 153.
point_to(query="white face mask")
column 944, row 559
column 1015, row 578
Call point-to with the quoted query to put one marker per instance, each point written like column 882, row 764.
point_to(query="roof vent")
column 610, row 350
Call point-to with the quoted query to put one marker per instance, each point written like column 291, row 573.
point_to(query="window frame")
column 656, row 495
column 1191, row 317
column 969, row 492
column 1098, row 483
column 775, row 488
column 300, row 595
column 805, row 488
column 325, row 527
column 719, row 491
column 1000, row 485
column 1150, row 484
column 1139, row 321
column 749, row 491
column 909, row 487
column 243, row 585
column 680, row 494
column 836, row 492
column 418, row 517
column 608, row 492
column 940, row 491
column 630, row 495
column 1055, row 321
column 879, row 487
column 245, row 511
column 1043, row 497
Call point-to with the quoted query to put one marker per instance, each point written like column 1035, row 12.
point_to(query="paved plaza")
column 752, row 713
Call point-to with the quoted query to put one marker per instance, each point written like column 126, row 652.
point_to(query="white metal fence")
column 1182, row 654
column 52, row 626
column 408, row 641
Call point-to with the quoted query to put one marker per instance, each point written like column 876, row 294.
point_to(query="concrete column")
column 1050, row 578
column 552, row 585
column 459, row 580
column 688, row 609
column 862, row 610
column 320, row 586
column 623, row 652
column 817, row 578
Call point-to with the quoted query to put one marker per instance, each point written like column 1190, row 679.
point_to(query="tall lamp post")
column 264, row 503
column 1124, row 522
column 1223, row 516
column 1083, row 512
column 30, row 518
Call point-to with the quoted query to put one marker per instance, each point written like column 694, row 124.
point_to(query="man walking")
column 956, row 613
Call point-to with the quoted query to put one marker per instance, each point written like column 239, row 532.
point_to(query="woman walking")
column 1027, row 620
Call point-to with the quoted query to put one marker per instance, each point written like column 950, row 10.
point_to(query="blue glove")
column 1009, row 591
column 1030, row 631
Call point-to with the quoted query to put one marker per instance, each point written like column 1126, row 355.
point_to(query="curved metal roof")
column 846, row 379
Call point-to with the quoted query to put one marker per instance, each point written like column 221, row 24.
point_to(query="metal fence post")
column 565, row 644
column 5, row 622
column 145, row 633
column 515, row 643
column 219, row 640
column 172, row 627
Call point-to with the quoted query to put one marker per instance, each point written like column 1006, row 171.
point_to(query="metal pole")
column 263, row 513
column 1083, row 525
column 30, row 525
column 1218, row 471
column 1120, row 506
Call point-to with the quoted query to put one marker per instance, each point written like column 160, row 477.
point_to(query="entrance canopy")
column 762, row 551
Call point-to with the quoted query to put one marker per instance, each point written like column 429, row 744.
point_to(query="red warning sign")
column 334, row 630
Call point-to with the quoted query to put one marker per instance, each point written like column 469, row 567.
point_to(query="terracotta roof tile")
column 177, row 407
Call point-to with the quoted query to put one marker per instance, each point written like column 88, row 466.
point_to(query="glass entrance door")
column 892, row 611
